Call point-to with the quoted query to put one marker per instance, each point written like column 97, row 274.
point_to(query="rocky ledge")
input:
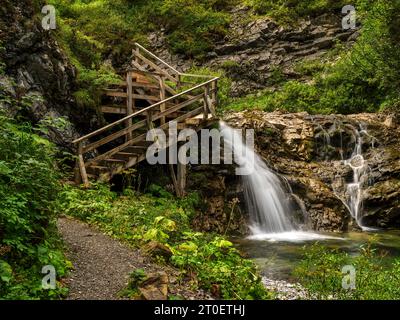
column 255, row 51
column 315, row 154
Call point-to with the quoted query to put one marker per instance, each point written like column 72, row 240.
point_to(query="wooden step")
column 96, row 170
column 113, row 110
column 115, row 93
column 114, row 160
column 198, row 119
column 125, row 155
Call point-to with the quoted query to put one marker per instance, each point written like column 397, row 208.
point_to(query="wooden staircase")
column 152, row 95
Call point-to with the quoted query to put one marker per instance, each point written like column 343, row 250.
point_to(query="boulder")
column 155, row 287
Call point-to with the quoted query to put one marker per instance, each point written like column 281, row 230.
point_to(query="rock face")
column 38, row 76
column 312, row 153
column 255, row 52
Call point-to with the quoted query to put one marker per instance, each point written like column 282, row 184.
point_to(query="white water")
column 265, row 196
column 360, row 177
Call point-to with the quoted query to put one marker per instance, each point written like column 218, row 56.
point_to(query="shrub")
column 28, row 188
column 139, row 219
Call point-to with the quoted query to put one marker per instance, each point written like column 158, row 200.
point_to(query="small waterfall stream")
column 360, row 169
column 351, row 154
column 266, row 199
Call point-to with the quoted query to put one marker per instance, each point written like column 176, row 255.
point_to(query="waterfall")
column 360, row 168
column 265, row 197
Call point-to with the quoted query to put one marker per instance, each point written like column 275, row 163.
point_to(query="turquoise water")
column 277, row 257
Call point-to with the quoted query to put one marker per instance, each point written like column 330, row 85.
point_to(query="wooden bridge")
column 152, row 95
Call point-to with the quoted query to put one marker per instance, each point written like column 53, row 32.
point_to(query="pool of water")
column 278, row 254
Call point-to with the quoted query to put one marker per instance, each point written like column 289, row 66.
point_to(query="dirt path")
column 102, row 265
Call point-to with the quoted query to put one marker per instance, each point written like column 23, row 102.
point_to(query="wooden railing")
column 204, row 94
column 144, row 56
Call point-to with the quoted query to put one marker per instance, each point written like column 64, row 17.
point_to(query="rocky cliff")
column 254, row 52
column 316, row 156
column 38, row 80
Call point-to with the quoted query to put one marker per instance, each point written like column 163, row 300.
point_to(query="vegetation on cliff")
column 99, row 36
column 363, row 79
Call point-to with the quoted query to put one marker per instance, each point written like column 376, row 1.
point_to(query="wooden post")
column 129, row 105
column 182, row 173
column 178, row 84
column 175, row 181
column 162, row 97
column 149, row 119
column 82, row 167
column 77, row 173
column 205, row 105
column 214, row 87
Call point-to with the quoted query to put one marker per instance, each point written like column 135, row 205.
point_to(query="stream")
column 276, row 241
column 277, row 258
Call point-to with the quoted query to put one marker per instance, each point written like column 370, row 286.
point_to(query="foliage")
column 289, row 11
column 139, row 219
column 321, row 273
column 28, row 188
column 193, row 25
column 364, row 79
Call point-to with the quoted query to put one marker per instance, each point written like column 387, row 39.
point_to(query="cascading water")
column 265, row 196
column 360, row 176
column 332, row 142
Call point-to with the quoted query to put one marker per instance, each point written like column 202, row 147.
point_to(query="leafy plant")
column 139, row 219
column 28, row 188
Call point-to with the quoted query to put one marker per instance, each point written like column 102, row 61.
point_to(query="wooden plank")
column 114, row 110
column 145, row 97
column 135, row 149
column 114, row 136
column 145, row 85
column 115, row 160
column 111, row 93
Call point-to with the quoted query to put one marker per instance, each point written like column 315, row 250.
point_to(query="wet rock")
column 314, row 155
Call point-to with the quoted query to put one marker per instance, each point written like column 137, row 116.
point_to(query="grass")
column 333, row 274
